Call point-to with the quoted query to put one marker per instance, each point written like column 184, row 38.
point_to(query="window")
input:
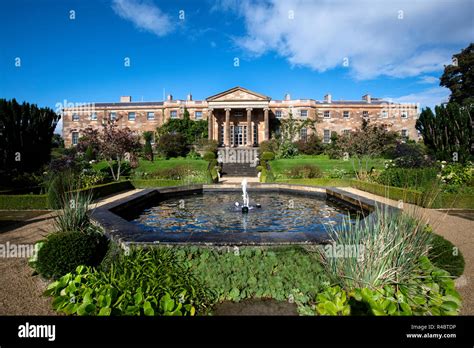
column 303, row 134
column 238, row 113
column 94, row 116
column 384, row 114
column 278, row 114
column 277, row 131
column 404, row 133
column 152, row 141
column 346, row 131
column 131, row 116
column 113, row 116
column 404, row 114
column 255, row 133
column 327, row 136
column 150, row 115
column 304, row 113
column 75, row 117
column 173, row 114
column 327, row 114
column 198, row 115
column 365, row 114
column 345, row 114
column 221, row 135
column 75, row 138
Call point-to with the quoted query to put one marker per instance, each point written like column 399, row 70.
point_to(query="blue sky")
column 392, row 49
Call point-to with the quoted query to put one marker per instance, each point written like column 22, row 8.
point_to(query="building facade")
column 241, row 118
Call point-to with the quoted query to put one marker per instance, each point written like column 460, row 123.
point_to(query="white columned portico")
column 227, row 127
column 249, row 127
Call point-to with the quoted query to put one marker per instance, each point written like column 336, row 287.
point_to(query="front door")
column 238, row 135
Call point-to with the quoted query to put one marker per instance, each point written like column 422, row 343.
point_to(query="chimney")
column 367, row 98
column 170, row 97
column 126, row 99
column 287, row 96
column 190, row 97
column 328, row 98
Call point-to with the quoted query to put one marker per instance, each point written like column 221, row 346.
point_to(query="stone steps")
column 238, row 169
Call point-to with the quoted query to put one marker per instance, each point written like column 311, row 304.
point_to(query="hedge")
column 103, row 190
column 442, row 200
column 22, row 202
column 395, row 193
column 149, row 183
column 318, row 182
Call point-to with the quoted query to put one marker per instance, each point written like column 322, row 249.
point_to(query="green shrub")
column 305, row 171
column 284, row 273
column 408, row 177
column 268, row 146
column 268, row 156
column 312, row 146
column 445, row 255
column 142, row 283
column 209, row 156
column 62, row 252
column 125, row 170
column 58, row 185
column 395, row 193
column 147, row 149
column 172, row 145
column 383, row 251
column 89, row 155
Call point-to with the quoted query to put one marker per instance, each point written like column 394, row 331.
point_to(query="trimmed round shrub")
column 268, row 156
column 62, row 252
column 209, row 156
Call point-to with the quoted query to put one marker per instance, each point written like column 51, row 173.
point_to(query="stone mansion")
column 239, row 117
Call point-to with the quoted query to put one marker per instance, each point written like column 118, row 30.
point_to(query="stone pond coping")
column 112, row 216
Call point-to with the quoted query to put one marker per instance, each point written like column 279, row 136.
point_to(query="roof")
column 237, row 88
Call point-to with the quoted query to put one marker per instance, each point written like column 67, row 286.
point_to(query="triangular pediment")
column 238, row 93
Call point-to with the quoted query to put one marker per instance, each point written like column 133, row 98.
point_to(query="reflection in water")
column 217, row 213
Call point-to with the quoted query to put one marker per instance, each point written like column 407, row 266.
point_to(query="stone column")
column 249, row 127
column 266, row 124
column 210, row 121
column 227, row 128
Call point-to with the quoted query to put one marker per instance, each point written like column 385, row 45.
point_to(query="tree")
column 289, row 132
column 117, row 145
column 448, row 131
column 172, row 145
column 368, row 140
column 459, row 77
column 26, row 133
column 148, row 150
column 114, row 145
column 192, row 131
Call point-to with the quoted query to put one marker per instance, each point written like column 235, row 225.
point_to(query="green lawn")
column 149, row 167
column 280, row 166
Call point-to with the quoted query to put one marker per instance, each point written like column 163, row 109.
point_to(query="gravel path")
column 20, row 292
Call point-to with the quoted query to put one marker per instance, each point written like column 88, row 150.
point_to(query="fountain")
column 245, row 196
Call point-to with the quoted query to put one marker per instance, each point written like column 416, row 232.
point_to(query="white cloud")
column 144, row 14
column 426, row 98
column 369, row 33
column 59, row 127
column 428, row 79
